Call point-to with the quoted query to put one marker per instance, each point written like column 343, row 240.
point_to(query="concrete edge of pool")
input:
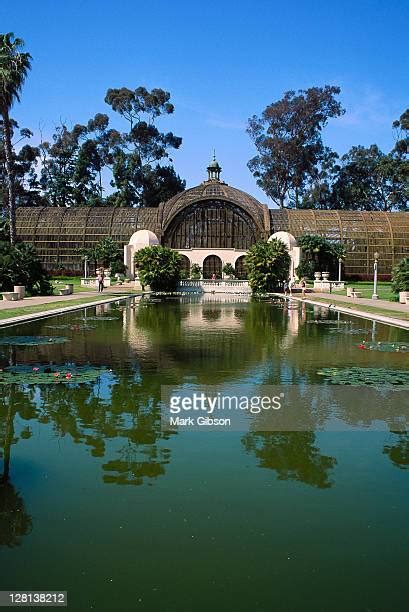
column 27, row 318
column 350, row 311
column 345, row 310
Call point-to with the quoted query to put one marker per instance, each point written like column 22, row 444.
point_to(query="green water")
column 103, row 504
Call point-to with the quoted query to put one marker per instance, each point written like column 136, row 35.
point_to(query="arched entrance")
column 212, row 265
column 240, row 270
column 185, row 267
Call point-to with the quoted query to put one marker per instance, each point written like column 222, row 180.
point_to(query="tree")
column 401, row 127
column 106, row 253
column 195, row 272
column 318, row 255
column 72, row 163
column 159, row 267
column 228, row 270
column 14, row 66
column 288, row 140
column 267, row 265
column 27, row 189
column 19, row 265
column 138, row 181
column 371, row 180
column 400, row 276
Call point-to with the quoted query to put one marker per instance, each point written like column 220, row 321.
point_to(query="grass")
column 75, row 280
column 384, row 290
column 8, row 313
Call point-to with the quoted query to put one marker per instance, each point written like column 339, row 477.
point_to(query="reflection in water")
column 193, row 340
column 292, row 455
column 398, row 451
column 14, row 520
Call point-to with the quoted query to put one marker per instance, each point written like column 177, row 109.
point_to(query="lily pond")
column 99, row 500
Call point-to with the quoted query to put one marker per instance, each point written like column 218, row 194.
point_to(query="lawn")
column 75, row 280
column 8, row 313
column 366, row 287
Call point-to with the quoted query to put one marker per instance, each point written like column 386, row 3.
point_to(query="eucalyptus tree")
column 72, row 163
column 137, row 157
column 369, row 179
column 14, row 66
column 288, row 140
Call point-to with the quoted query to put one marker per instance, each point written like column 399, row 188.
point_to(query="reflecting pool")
column 98, row 500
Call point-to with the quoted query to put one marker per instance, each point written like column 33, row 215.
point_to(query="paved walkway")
column 57, row 299
column 382, row 304
column 46, row 299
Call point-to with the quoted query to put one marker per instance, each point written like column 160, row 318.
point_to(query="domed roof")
column 215, row 190
column 143, row 238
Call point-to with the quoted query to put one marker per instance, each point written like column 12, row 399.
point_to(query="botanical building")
column 211, row 224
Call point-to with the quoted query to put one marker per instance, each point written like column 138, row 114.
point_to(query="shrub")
column 228, row 269
column 19, row 265
column 159, row 267
column 400, row 276
column 267, row 265
column 195, row 272
column 305, row 269
column 118, row 267
column 318, row 255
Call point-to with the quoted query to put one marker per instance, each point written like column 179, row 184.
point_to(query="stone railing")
column 214, row 286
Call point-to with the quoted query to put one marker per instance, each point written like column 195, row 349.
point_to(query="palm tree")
column 14, row 66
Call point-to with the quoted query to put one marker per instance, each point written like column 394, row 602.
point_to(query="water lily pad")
column 32, row 340
column 73, row 327
column 49, row 374
column 376, row 377
column 385, row 347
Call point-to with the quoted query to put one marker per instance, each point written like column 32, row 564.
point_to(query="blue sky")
column 222, row 62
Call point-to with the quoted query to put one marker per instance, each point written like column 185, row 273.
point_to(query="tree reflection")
column 293, row 455
column 15, row 522
column 398, row 453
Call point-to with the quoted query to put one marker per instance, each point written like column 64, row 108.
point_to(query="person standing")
column 100, row 279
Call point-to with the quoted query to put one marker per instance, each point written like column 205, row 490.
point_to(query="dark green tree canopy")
column 288, row 140
column 267, row 265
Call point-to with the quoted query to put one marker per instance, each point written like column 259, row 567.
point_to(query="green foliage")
column 305, row 269
column 159, row 267
column 195, row 272
column 267, row 265
column 400, row 276
column 19, row 265
column 106, row 253
column 228, row 270
column 289, row 143
column 135, row 158
column 318, row 255
column 371, row 180
column 14, row 67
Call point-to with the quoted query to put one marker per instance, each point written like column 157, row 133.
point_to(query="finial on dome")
column 214, row 169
